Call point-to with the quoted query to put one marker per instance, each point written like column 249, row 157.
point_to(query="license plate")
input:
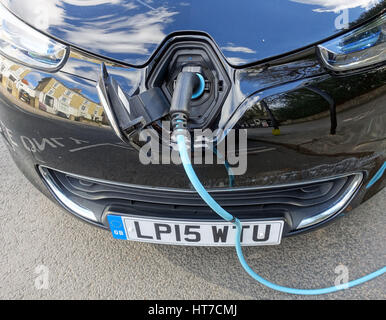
column 195, row 233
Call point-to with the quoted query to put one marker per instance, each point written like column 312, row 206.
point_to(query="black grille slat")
column 289, row 195
column 301, row 196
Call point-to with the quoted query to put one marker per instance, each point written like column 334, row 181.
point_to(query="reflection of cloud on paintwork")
column 42, row 13
column 144, row 29
column 240, row 50
column 116, row 32
column 134, row 35
column 232, row 48
column 339, row 5
column 237, row 61
column 91, row 2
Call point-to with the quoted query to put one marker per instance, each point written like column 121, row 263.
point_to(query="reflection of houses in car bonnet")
column 50, row 95
column 54, row 97
column 11, row 74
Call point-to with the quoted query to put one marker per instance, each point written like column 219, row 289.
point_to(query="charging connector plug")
column 188, row 82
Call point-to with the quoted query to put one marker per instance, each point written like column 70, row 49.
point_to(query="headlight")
column 359, row 48
column 21, row 43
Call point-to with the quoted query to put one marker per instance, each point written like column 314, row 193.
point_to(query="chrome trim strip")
column 66, row 202
column 104, row 100
column 143, row 187
column 336, row 208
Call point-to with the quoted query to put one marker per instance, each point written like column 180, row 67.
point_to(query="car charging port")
column 209, row 93
column 195, row 62
column 198, row 92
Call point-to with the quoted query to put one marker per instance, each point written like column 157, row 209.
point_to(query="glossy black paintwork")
column 245, row 30
column 86, row 145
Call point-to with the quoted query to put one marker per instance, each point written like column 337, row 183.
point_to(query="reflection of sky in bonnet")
column 338, row 5
column 120, row 26
column 245, row 30
column 128, row 27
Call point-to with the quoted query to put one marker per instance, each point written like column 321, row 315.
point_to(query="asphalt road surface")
column 47, row 254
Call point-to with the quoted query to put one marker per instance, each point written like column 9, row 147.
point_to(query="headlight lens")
column 359, row 48
column 23, row 44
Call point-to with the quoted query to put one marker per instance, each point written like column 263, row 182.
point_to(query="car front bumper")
column 72, row 140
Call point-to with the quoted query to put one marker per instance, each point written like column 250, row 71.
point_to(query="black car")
column 305, row 79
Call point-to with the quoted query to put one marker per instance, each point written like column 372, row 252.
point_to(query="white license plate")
column 195, row 233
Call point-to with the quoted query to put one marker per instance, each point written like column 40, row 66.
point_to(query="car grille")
column 294, row 203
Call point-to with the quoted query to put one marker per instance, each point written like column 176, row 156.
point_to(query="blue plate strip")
column 117, row 228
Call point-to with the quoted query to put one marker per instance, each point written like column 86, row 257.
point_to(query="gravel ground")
column 83, row 262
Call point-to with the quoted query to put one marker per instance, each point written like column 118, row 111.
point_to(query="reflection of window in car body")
column 24, row 96
column 11, row 81
column 2, row 68
column 49, row 101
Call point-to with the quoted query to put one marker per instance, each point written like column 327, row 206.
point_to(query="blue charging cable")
column 230, row 218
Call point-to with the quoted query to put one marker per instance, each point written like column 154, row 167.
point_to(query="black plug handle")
column 186, row 84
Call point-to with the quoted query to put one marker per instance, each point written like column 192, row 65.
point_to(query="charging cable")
column 230, row 218
column 180, row 111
